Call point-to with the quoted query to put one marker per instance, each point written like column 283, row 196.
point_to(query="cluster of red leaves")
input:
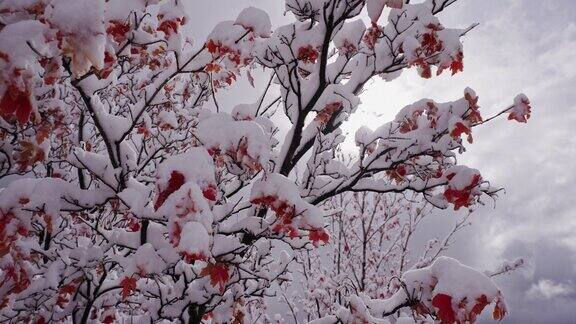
column 410, row 123
column 174, row 183
column 217, row 49
column 228, row 78
column 170, row 26
column 7, row 220
column 447, row 314
column 155, row 59
column 238, row 154
column 118, row 30
column 307, row 54
column 212, row 68
column 348, row 49
column 430, row 46
column 224, row 74
column 371, row 35
column 284, row 212
column 219, row 274
column 15, row 278
column 461, row 197
column 326, row 113
column 16, row 102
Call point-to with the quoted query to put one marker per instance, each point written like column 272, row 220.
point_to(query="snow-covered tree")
column 371, row 246
column 131, row 194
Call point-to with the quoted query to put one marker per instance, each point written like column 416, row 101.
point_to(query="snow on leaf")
column 461, row 195
column 375, row 8
column 521, row 109
column 255, row 20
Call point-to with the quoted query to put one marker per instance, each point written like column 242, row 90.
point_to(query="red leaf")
column 212, row 46
column 210, row 193
column 445, row 312
column 459, row 129
column 371, row 36
column 169, row 27
column 317, row 236
column 212, row 67
column 16, row 101
column 326, row 113
column 481, row 303
column 457, row 64
column 174, row 183
column 218, row 273
column 128, row 285
column 118, row 30
column 109, row 61
column 499, row 310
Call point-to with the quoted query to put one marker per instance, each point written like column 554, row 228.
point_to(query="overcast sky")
column 524, row 46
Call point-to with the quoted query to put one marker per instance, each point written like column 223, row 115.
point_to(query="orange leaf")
column 499, row 310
